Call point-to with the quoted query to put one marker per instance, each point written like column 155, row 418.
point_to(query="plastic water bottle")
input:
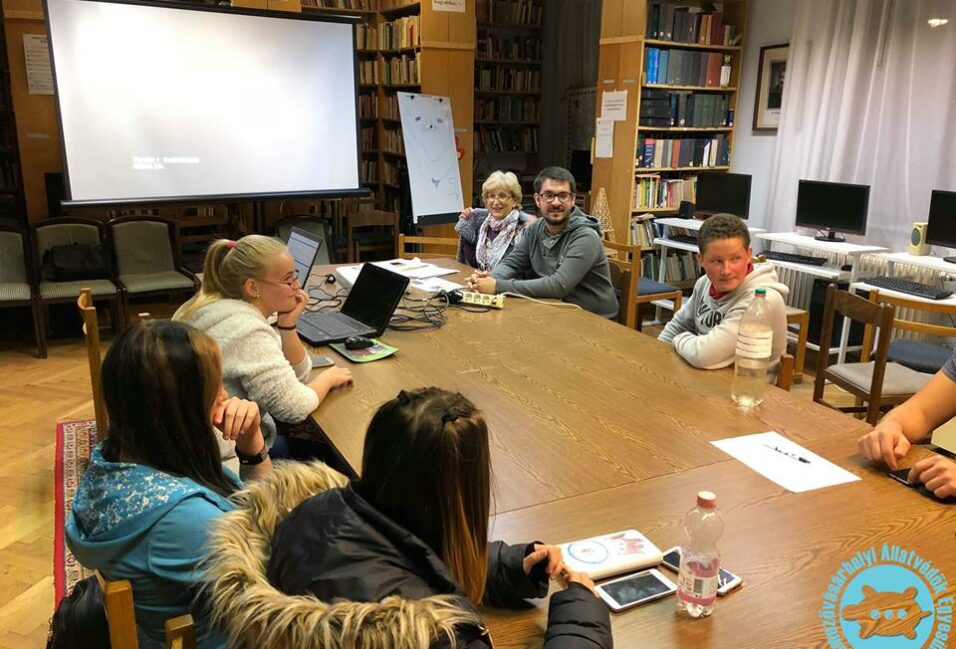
column 754, row 346
column 698, row 578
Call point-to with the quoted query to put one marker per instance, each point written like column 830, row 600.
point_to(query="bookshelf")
column 507, row 88
column 681, row 65
column 12, row 198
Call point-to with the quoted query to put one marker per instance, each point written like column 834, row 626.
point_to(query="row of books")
column 685, row 109
column 391, row 173
column 368, row 5
column 369, row 72
column 686, row 68
column 368, row 138
column 390, row 108
column 401, row 70
column 494, row 77
column 401, row 33
column 506, row 109
column 494, row 139
column 643, row 231
column 514, row 12
column 393, row 142
column 681, row 266
column 518, row 48
column 668, row 21
column 653, row 192
column 368, row 104
column 657, row 153
column 369, row 171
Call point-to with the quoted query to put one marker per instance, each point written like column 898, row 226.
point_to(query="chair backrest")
column 368, row 219
column 902, row 304
column 64, row 231
column 625, row 266
column 785, row 372
column 120, row 614
column 144, row 244
column 319, row 228
column 181, row 632
column 91, row 333
column 13, row 256
column 404, row 241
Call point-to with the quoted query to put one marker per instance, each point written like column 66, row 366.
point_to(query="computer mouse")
column 357, row 342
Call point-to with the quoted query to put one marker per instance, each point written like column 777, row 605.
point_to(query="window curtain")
column 869, row 98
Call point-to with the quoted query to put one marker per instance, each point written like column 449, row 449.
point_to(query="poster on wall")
column 434, row 179
column 771, row 76
column 36, row 51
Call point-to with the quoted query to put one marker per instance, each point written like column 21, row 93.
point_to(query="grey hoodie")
column 704, row 331
column 571, row 266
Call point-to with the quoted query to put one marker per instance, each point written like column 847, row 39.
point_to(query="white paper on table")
column 778, row 459
column 604, row 138
column 435, row 284
column 614, row 105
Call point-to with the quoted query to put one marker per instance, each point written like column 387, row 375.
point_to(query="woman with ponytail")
column 246, row 283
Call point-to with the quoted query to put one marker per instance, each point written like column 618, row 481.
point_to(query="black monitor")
column 723, row 192
column 834, row 207
column 941, row 229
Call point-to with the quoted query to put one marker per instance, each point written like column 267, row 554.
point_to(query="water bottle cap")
column 707, row 499
column 761, row 291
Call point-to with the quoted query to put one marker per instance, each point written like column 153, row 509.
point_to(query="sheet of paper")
column 604, row 138
column 435, row 284
column 614, row 105
column 785, row 462
column 39, row 73
column 456, row 6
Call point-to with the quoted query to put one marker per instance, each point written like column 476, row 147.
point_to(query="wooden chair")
column 121, row 618
column 915, row 354
column 801, row 319
column 15, row 286
column 342, row 209
column 633, row 290
column 371, row 231
column 91, row 331
column 404, row 241
column 785, row 372
column 880, row 384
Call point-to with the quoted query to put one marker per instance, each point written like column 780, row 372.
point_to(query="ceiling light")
column 937, row 22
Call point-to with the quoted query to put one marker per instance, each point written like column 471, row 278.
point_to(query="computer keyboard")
column 331, row 324
column 909, row 287
column 774, row 255
column 683, row 238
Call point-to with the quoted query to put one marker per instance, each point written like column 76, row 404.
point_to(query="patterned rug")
column 74, row 441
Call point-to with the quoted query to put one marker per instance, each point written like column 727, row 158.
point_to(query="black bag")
column 75, row 262
column 79, row 622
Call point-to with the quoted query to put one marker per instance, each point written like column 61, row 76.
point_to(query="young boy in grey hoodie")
column 704, row 331
column 560, row 255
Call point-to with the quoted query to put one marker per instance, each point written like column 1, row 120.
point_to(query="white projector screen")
column 173, row 103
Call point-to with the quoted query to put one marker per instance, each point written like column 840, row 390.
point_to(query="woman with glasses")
column 245, row 283
column 487, row 235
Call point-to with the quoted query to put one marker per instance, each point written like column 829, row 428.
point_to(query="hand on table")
column 551, row 555
column 569, row 576
column 482, row 282
column 937, row 473
column 886, row 443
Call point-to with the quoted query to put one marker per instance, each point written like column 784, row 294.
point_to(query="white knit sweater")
column 253, row 365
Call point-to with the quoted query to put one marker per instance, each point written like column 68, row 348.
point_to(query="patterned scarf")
column 494, row 239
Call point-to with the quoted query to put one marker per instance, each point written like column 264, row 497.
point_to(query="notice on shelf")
column 456, row 6
column 614, row 105
column 36, row 51
column 604, row 138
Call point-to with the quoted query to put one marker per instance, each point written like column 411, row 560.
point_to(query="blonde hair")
column 502, row 180
column 227, row 266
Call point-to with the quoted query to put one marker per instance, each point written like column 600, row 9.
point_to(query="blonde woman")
column 486, row 236
column 245, row 283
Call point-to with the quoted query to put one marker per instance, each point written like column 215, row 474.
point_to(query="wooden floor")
column 34, row 395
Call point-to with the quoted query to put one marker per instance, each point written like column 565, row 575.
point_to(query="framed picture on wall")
column 771, row 75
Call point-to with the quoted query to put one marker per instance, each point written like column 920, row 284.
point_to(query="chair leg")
column 800, row 357
column 39, row 327
column 639, row 316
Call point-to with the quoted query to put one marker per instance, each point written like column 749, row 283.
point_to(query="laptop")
column 366, row 312
column 304, row 248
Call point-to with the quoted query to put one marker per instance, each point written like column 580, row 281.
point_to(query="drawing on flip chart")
column 429, row 136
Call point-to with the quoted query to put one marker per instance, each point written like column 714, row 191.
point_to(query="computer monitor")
column 834, row 207
column 941, row 229
column 304, row 248
column 723, row 192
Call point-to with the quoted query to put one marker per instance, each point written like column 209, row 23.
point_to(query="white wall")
column 769, row 23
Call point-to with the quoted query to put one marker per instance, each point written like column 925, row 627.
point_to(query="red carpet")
column 74, row 441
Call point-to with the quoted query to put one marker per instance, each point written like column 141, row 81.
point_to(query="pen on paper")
column 793, row 455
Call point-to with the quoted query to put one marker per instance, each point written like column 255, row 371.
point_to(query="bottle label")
column 754, row 344
column 697, row 582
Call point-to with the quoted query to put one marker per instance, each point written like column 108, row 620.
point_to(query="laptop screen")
column 303, row 247
column 373, row 298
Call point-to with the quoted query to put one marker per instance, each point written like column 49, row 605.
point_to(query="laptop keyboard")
column 333, row 325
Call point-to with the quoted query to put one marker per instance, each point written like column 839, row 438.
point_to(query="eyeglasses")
column 499, row 197
column 290, row 283
column 550, row 196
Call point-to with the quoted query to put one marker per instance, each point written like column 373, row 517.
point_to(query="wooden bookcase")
column 625, row 51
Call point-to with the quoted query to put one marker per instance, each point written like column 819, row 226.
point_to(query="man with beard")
column 560, row 256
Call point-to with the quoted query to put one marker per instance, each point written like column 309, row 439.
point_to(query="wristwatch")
column 252, row 460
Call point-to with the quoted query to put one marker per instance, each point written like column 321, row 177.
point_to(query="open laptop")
column 366, row 312
column 304, row 248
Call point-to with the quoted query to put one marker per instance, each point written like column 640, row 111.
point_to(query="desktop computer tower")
column 818, row 301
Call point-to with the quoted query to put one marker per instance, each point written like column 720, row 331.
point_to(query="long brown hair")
column 160, row 382
column 427, row 465
column 227, row 266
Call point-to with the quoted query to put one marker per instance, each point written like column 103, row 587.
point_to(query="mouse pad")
column 377, row 351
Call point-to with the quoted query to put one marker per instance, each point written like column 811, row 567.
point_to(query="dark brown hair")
column 427, row 466
column 722, row 226
column 160, row 382
column 554, row 173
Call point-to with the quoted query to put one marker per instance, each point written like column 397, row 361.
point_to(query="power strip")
column 481, row 299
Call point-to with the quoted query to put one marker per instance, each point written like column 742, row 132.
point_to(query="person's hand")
column 886, row 443
column 337, row 377
column 465, row 214
column 290, row 318
column 485, row 284
column 937, row 473
column 236, row 417
column 548, row 553
column 568, row 576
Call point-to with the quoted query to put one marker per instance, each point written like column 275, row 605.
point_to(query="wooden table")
column 596, row 428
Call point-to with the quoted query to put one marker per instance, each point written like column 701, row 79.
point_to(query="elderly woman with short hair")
column 487, row 235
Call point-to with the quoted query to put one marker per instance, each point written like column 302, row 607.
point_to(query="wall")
column 769, row 23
